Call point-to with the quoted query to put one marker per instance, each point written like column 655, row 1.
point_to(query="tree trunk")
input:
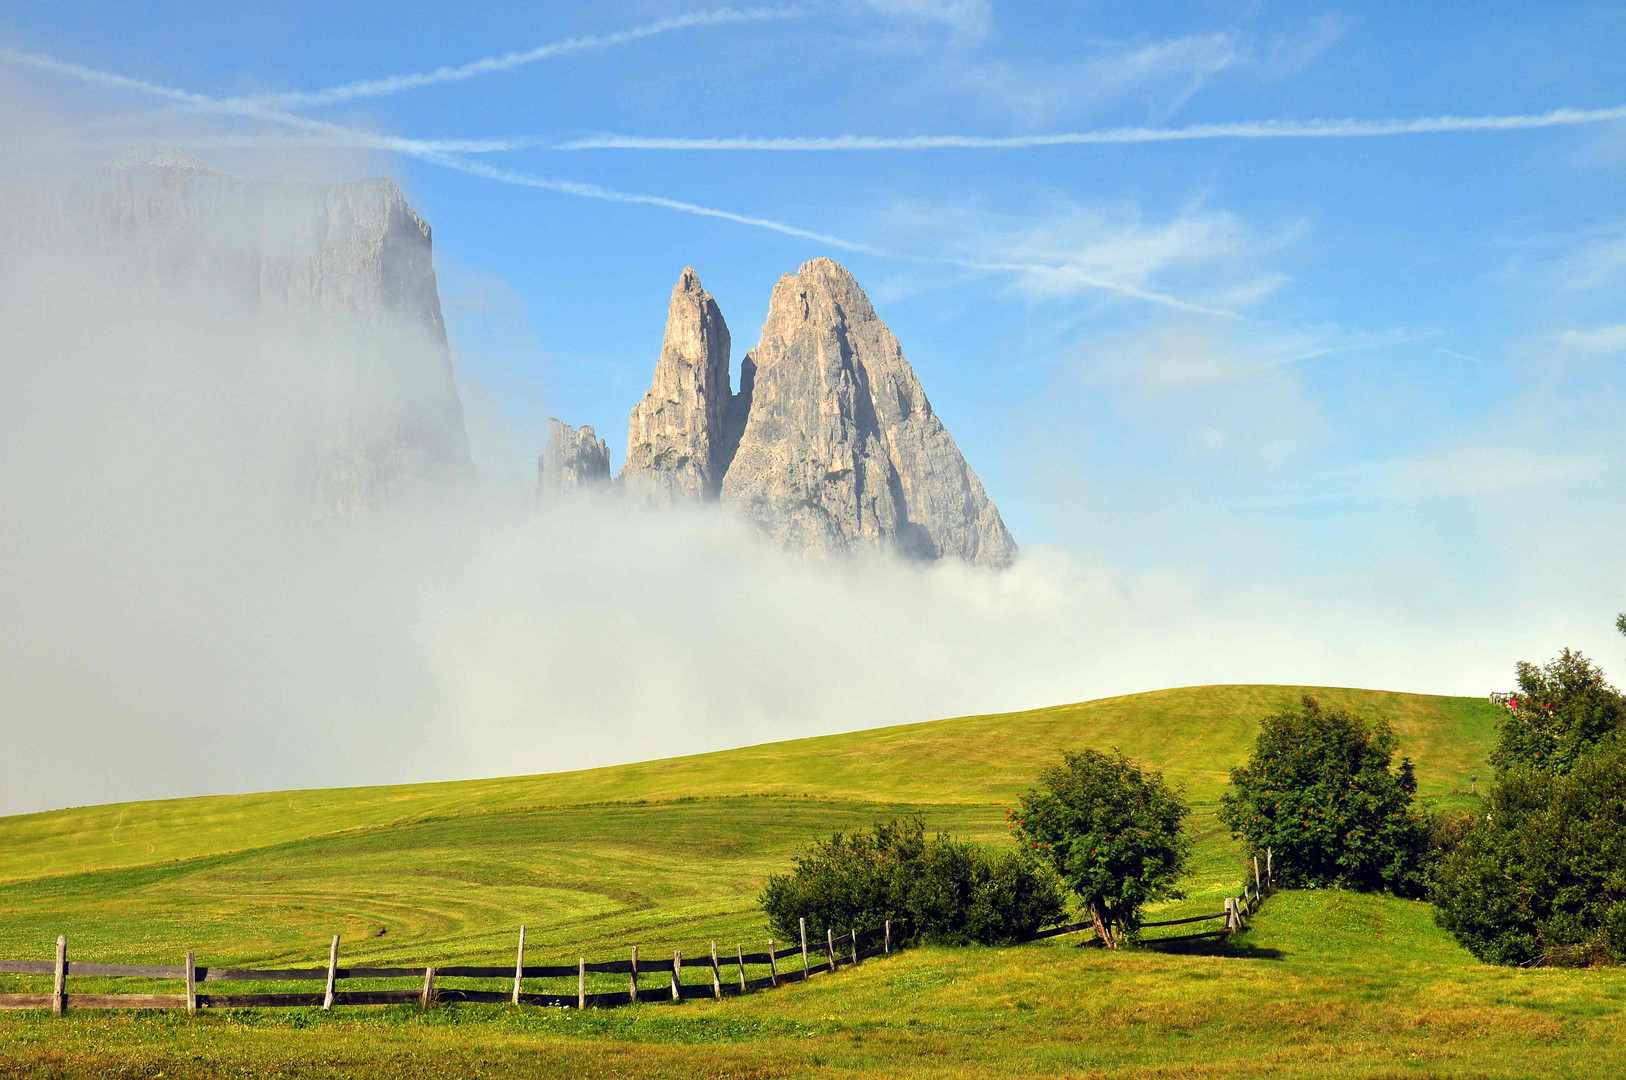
column 1101, row 928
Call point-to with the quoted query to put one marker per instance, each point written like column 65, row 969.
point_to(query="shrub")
column 1540, row 877
column 1562, row 710
column 1319, row 792
column 936, row 890
column 1111, row 831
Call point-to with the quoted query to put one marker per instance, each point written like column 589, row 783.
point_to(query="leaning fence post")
column 739, row 951
column 428, row 986
column 803, row 923
column 854, row 935
column 332, row 972
column 716, row 973
column 191, row 982
column 59, row 986
column 887, row 944
column 581, row 982
column 773, row 965
column 519, row 963
column 830, row 940
column 632, row 981
column 677, row 970
column 1258, row 884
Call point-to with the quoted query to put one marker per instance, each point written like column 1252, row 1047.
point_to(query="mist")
column 173, row 620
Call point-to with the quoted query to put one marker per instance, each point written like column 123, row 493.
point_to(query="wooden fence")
column 662, row 980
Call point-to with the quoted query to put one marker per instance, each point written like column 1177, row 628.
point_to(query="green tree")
column 1562, row 710
column 932, row 889
column 1112, row 831
column 1540, row 877
column 1320, row 793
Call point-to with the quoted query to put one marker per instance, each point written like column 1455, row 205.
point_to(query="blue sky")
column 1381, row 370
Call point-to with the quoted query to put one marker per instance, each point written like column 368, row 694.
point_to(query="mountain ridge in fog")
column 328, row 289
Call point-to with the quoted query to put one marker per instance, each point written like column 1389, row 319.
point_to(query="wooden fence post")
column 428, row 987
column 677, row 969
column 854, row 935
column 804, row 947
column 519, row 963
column 1258, row 883
column 739, row 951
column 581, row 982
column 773, row 965
column 830, row 940
column 1270, row 873
column 716, row 973
column 59, row 987
column 632, row 981
column 886, row 946
column 1230, row 914
column 332, row 972
column 191, row 982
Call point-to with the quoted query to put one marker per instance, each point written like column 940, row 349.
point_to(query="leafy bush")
column 1540, row 877
column 1319, row 792
column 1561, row 711
column 937, row 890
column 1113, row 833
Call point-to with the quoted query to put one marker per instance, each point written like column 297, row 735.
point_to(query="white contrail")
column 1252, row 129
column 1262, row 129
column 435, row 153
column 394, row 84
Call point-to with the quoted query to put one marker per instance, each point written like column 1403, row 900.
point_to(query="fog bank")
column 173, row 621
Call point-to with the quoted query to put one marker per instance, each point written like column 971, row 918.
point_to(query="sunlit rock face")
column 574, row 460
column 830, row 447
column 675, row 438
column 321, row 302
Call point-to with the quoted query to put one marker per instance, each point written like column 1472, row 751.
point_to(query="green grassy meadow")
column 674, row 853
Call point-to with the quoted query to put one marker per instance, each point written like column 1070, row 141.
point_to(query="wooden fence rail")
column 844, row 951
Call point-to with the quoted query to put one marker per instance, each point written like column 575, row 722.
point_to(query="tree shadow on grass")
column 1232, row 947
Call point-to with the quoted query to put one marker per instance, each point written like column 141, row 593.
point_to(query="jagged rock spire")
column 840, row 449
column 675, row 436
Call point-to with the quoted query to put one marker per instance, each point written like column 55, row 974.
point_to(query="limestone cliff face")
column 829, row 447
column 840, row 449
column 573, row 461
column 332, row 287
column 675, row 436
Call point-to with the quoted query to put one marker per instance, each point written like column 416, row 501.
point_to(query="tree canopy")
column 1320, row 793
column 1114, row 832
column 1562, row 710
column 932, row 889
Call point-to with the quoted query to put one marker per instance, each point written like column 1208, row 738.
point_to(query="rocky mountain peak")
column 831, row 445
column 675, row 435
column 841, row 449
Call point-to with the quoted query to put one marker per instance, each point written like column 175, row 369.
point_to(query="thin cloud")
column 1599, row 339
column 969, row 17
column 432, row 153
column 394, row 84
column 1166, row 74
column 1251, row 129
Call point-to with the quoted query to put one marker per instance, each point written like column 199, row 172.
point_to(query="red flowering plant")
column 1114, row 832
column 1577, row 710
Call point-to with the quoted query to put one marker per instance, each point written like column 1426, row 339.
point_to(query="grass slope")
column 674, row 852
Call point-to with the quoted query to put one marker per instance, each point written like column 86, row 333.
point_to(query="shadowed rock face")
column 675, row 437
column 334, row 286
column 573, row 460
column 829, row 447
